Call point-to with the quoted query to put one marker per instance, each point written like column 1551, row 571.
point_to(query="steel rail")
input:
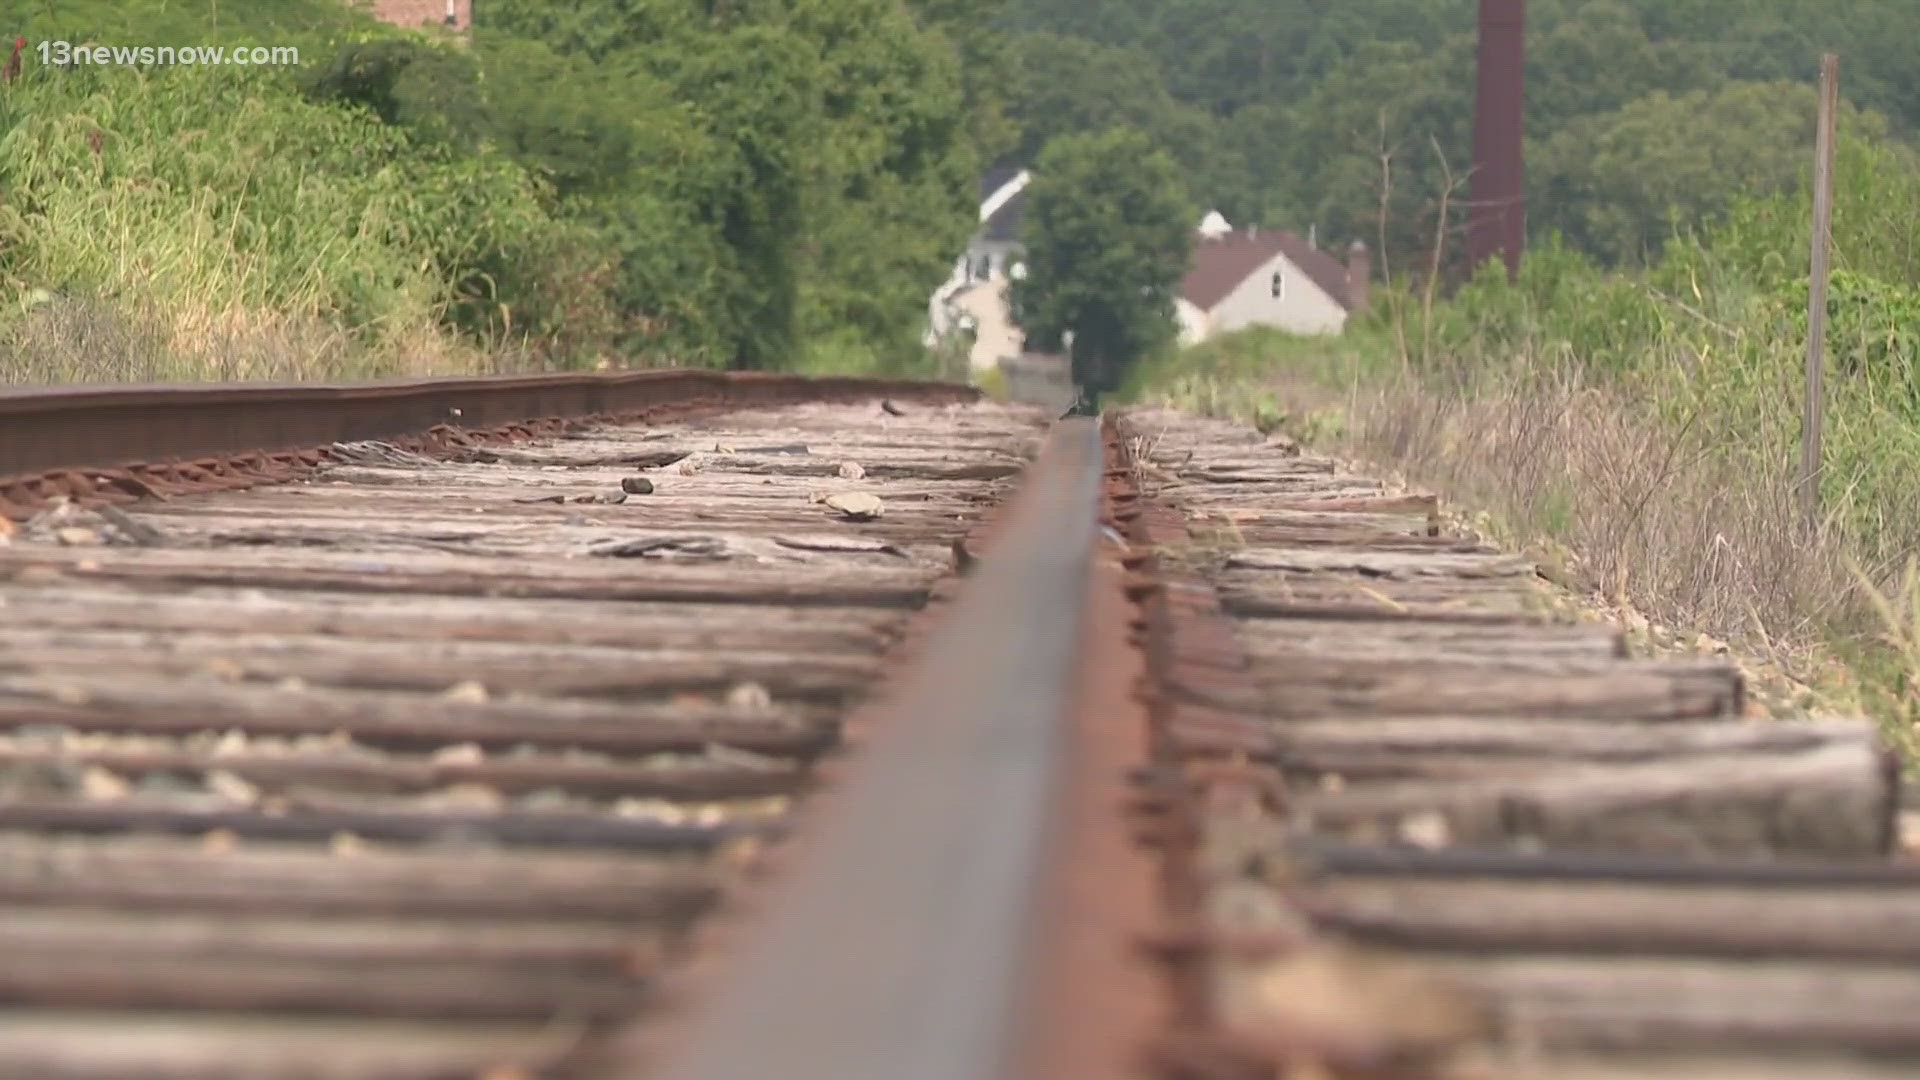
column 899, row 948
column 43, row 429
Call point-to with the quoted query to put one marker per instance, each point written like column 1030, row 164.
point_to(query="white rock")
column 856, row 505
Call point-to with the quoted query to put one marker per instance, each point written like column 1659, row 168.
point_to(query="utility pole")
column 1497, row 224
column 1814, row 404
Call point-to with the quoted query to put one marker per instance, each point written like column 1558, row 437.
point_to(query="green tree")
column 1407, row 104
column 780, row 173
column 1065, row 85
column 1109, row 236
column 981, row 48
column 1618, row 182
column 891, row 182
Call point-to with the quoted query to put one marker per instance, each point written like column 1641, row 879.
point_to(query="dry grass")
column 1899, row 612
column 1704, row 534
column 64, row 341
column 1649, row 515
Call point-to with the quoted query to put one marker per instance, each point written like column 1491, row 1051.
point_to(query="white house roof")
column 1004, row 194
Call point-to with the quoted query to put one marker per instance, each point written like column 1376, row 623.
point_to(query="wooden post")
column 1817, row 293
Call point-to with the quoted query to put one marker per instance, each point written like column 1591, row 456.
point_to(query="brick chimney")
column 1359, row 284
column 414, row 14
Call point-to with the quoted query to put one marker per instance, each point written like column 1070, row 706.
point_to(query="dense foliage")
column 1109, row 234
column 1640, row 112
column 752, row 184
column 784, row 182
column 1716, row 329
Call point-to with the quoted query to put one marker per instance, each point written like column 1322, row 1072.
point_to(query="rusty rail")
column 928, row 856
column 66, row 428
column 118, row 443
column 317, row 776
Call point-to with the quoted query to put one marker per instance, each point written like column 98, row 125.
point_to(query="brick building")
column 416, row 13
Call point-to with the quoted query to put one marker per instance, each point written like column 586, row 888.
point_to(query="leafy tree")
column 769, row 173
column 1603, row 36
column 971, row 27
column 406, row 82
column 1618, row 181
column 1067, row 85
column 1410, row 104
column 891, row 182
column 811, row 160
column 1223, row 55
column 1109, row 236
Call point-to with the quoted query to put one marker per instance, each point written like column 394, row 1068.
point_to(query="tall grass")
column 211, row 223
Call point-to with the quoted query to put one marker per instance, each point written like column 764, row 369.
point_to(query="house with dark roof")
column 996, row 248
column 1259, row 277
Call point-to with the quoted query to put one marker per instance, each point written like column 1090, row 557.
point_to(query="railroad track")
column 704, row 727
column 1457, row 836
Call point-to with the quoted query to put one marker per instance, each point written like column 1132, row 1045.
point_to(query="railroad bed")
column 421, row 767
column 1473, row 839
column 867, row 740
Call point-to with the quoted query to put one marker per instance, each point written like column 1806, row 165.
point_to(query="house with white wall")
column 974, row 298
column 1261, row 277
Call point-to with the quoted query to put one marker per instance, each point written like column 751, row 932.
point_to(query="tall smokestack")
column 1498, row 223
column 1359, row 278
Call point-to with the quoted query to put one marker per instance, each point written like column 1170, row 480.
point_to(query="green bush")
column 647, row 181
column 220, row 196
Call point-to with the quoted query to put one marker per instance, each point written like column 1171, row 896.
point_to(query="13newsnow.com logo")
column 89, row 54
